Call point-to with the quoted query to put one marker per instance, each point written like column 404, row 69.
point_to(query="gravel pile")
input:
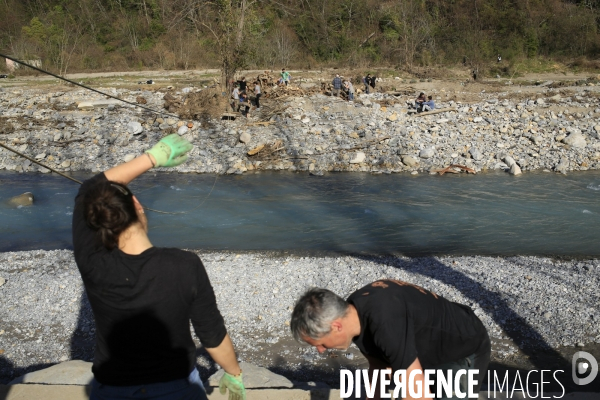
column 555, row 129
column 535, row 302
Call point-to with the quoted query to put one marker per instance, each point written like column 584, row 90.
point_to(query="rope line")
column 89, row 88
column 113, row 97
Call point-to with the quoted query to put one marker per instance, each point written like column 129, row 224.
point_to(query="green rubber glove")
column 170, row 151
column 235, row 384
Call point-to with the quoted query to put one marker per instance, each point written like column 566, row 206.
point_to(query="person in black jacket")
column 144, row 297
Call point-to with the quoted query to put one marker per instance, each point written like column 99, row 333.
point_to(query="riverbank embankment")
column 554, row 129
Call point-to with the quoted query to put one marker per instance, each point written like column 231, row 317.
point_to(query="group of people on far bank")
column 145, row 297
column 239, row 95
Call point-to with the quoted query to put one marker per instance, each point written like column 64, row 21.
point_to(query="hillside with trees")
column 89, row 35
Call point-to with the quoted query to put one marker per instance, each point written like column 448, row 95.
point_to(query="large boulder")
column 25, row 199
column 575, row 139
column 255, row 378
column 75, row 372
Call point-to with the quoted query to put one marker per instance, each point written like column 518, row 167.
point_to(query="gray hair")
column 315, row 311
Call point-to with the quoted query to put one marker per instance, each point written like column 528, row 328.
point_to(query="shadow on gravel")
column 531, row 343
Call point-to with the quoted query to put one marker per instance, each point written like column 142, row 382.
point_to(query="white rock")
column 410, row 161
column 575, row 139
column 182, row 130
column 477, row 119
column 427, row 153
column 40, row 156
column 58, row 136
column 66, row 164
column 245, row 137
column 129, row 157
column 358, row 158
column 515, row 169
column 476, row 154
column 540, row 102
column 508, row 160
column 134, row 128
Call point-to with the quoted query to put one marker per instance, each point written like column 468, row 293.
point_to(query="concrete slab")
column 75, row 372
column 97, row 103
column 72, row 392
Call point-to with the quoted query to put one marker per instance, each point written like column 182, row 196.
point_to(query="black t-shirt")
column 143, row 305
column 400, row 322
column 243, row 85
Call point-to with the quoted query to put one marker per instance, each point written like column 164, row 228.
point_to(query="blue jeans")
column 190, row 388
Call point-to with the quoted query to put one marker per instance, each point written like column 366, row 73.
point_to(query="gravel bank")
column 527, row 303
column 553, row 129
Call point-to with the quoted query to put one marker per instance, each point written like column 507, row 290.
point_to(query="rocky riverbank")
column 546, row 129
column 531, row 306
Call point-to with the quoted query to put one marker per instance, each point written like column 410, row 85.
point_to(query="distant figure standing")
column 372, row 81
column 367, row 82
column 499, row 58
column 257, row 93
column 235, row 96
column 474, row 75
column 243, row 84
column 337, row 85
column 285, row 77
column 350, row 89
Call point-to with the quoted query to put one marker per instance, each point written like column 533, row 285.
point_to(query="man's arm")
column 419, row 377
column 376, row 364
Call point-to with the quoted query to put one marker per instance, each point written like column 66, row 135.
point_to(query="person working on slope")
column 144, row 297
column 395, row 325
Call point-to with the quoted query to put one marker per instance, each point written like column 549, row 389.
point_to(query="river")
column 485, row 214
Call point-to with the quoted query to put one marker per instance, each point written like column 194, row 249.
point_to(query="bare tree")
column 226, row 22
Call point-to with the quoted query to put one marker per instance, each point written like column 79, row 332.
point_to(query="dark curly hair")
column 109, row 209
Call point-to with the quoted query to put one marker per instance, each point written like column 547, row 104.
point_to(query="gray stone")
column 255, row 378
column 515, row 169
column 58, row 136
column 245, row 137
column 134, row 128
column 427, row 153
column 359, row 157
column 410, row 161
column 562, row 166
column 75, row 372
column 540, row 102
column 575, row 139
column 25, row 199
column 509, row 161
column 476, row 154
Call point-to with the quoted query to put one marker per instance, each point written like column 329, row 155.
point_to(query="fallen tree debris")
column 452, row 169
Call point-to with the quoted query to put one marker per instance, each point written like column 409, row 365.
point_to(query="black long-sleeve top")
column 143, row 305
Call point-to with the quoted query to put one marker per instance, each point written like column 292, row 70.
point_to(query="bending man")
column 395, row 325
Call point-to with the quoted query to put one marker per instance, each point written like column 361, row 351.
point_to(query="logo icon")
column 581, row 368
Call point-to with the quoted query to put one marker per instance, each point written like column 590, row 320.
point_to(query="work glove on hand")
column 170, row 151
column 235, row 386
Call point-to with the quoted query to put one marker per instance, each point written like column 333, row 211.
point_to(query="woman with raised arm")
column 144, row 297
